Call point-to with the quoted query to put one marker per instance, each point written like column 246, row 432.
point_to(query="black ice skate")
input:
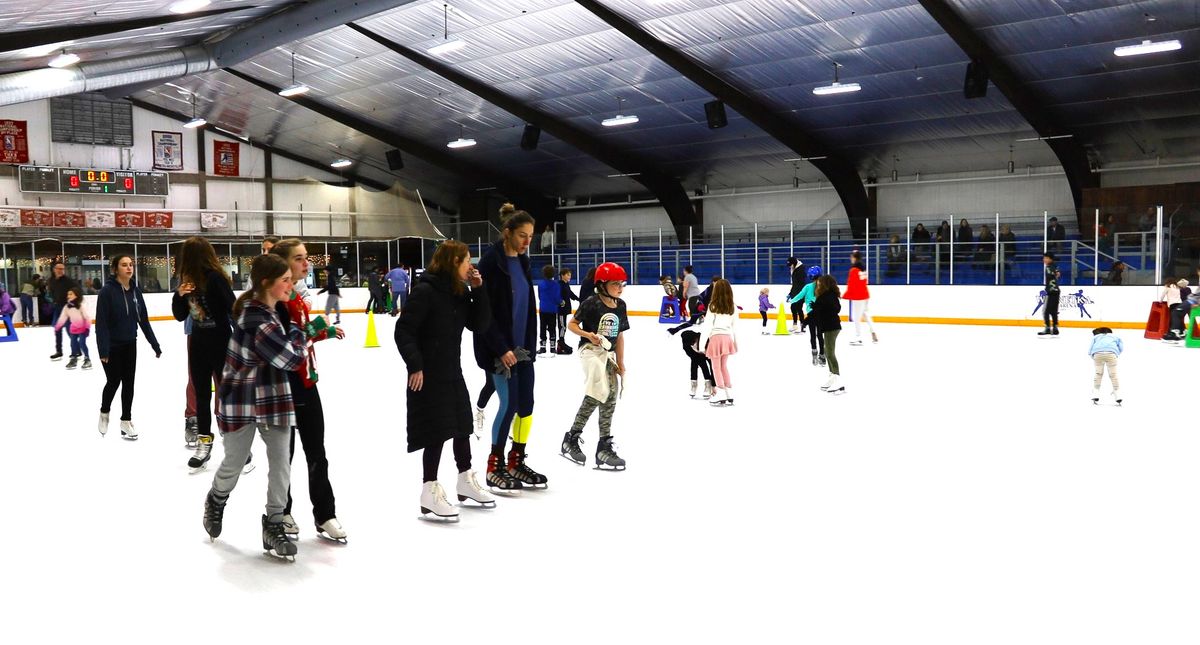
column 498, row 478
column 199, row 460
column 570, row 447
column 524, row 474
column 606, row 456
column 275, row 541
column 191, row 428
column 563, row 348
column 214, row 515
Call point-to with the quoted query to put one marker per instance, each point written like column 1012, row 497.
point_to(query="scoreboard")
column 92, row 181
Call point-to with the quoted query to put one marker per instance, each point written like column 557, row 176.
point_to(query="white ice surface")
column 965, row 490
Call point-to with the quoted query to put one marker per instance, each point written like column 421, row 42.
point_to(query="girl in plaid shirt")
column 255, row 395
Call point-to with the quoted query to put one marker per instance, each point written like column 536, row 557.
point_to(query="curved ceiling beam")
column 1028, row 104
column 16, row 40
column 841, row 172
column 431, row 154
column 667, row 189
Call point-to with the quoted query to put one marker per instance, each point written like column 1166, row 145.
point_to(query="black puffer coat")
column 826, row 309
column 429, row 337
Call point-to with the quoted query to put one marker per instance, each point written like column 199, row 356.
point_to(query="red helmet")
column 610, row 272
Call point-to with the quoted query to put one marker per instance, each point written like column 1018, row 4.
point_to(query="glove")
column 316, row 326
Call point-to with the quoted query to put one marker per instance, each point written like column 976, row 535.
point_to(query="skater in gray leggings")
column 825, row 310
column 255, row 396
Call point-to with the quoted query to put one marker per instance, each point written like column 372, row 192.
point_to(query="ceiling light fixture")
column 448, row 45
column 461, row 141
column 64, row 59
column 188, row 6
column 295, row 89
column 626, row 174
column 196, row 121
column 341, row 163
column 836, row 87
column 620, row 119
column 807, row 158
column 1148, row 47
column 1056, row 136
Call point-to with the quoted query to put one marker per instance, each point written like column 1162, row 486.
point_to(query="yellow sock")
column 521, row 427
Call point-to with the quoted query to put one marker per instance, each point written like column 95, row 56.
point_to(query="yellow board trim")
column 995, row 322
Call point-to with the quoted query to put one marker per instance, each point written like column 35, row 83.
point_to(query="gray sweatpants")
column 279, row 471
column 1109, row 360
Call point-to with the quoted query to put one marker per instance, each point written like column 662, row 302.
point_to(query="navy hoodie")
column 119, row 313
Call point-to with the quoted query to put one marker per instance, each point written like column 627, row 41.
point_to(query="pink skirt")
column 721, row 345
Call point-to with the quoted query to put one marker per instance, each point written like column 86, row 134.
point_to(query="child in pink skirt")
column 720, row 340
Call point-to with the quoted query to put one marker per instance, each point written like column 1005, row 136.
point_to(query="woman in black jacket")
column 120, row 312
column 826, row 309
column 429, row 337
column 504, row 349
column 798, row 282
column 205, row 295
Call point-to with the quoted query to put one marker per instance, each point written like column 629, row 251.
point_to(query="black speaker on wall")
column 395, row 161
column 975, row 85
column 529, row 138
column 714, row 111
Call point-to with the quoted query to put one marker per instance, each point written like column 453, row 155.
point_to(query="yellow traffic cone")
column 781, row 324
column 372, row 339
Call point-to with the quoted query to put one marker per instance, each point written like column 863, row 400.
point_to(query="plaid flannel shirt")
column 254, row 384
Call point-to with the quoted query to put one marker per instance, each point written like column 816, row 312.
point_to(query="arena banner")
column 69, row 219
column 14, row 141
column 10, row 217
column 160, row 219
column 225, row 159
column 168, row 150
column 214, row 220
column 101, row 219
column 130, row 219
column 35, row 217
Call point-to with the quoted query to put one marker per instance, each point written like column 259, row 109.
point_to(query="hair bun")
column 506, row 210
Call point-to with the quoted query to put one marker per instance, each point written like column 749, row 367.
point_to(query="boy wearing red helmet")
column 600, row 320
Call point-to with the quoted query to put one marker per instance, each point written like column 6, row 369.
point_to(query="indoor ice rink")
column 1013, row 187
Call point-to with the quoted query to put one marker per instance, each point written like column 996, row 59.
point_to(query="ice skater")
column 858, row 296
column 764, row 305
column 565, row 296
column 599, row 322
column 1106, row 348
column 1050, row 308
column 120, row 311
column 549, row 297
column 806, row 297
column 79, row 325
column 446, row 299
column 797, row 272
column 826, row 309
column 719, row 338
column 254, row 396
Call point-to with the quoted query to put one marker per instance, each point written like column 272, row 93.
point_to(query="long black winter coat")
column 429, row 337
column 495, row 340
column 826, row 309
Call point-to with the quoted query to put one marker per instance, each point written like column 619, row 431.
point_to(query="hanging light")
column 188, row 6
column 295, row 89
column 620, row 119
column 1148, row 47
column 836, row 87
column 447, row 45
column 461, row 141
column 341, row 163
column 65, row 59
column 196, row 120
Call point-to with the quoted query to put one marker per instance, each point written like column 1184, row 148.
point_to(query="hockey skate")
column 87, row 363
column 523, row 473
column 102, row 425
column 127, row 431
column 469, row 489
column 498, row 479
column 435, row 504
column 73, row 363
column 214, row 515
column 332, row 530
column 199, row 460
column 191, row 427
column 571, row 450
column 274, row 540
column 542, row 347
column 816, row 360
column 606, row 456
column 822, row 360
column 563, row 348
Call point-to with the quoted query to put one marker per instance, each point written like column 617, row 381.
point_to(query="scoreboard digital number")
column 92, row 181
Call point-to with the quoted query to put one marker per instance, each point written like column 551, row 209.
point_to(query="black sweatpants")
column 310, row 425
column 206, row 359
column 431, row 456
column 797, row 312
column 120, row 371
column 815, row 338
column 549, row 325
column 1051, row 309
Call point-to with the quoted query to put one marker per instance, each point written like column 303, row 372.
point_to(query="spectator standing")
column 60, row 283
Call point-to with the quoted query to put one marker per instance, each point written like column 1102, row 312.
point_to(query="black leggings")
column 206, row 359
column 119, row 372
column 485, row 394
column 797, row 312
column 764, row 317
column 700, row 362
column 815, row 337
column 310, row 425
column 1051, row 310
column 432, row 456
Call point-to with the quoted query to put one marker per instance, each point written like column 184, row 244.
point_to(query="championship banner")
column 160, row 219
column 130, row 219
column 225, row 158
column 14, row 141
column 214, row 220
column 168, row 150
column 101, row 219
column 69, row 219
column 36, row 217
column 10, row 217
